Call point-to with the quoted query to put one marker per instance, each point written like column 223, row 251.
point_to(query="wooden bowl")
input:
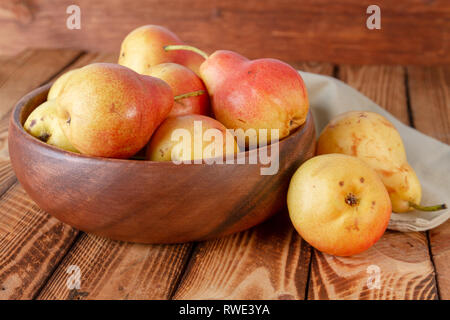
column 146, row 201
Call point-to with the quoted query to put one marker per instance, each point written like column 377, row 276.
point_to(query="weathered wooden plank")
column 383, row 84
column 406, row 271
column 118, row 270
column 430, row 103
column 404, row 266
column 429, row 89
column 31, row 242
column 318, row 30
column 269, row 261
column 32, row 71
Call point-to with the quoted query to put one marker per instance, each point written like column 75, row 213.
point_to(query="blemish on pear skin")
column 361, row 179
column 32, row 123
column 69, row 120
column 355, row 144
column 386, row 173
column 353, row 227
column 351, row 199
column 44, row 137
column 341, row 183
column 390, row 190
column 362, row 115
column 356, row 225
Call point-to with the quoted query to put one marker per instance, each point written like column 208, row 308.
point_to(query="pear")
column 373, row 139
column 338, row 204
column 181, row 79
column 253, row 94
column 58, row 85
column 108, row 110
column 191, row 143
column 143, row 48
column 43, row 123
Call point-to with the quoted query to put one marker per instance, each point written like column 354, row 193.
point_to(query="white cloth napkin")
column 429, row 157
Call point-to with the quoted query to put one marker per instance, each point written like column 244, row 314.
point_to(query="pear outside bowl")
column 146, row 201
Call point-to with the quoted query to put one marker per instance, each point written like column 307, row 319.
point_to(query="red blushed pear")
column 143, row 48
column 181, row 79
column 253, row 94
column 107, row 110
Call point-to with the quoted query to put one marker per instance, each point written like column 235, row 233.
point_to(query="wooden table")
column 269, row 261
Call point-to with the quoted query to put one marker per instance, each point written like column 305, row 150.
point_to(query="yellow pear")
column 338, row 204
column 143, row 48
column 190, row 137
column 373, row 139
column 43, row 123
column 59, row 84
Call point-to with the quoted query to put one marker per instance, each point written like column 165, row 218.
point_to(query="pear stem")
column 428, row 208
column 185, row 47
column 189, row 94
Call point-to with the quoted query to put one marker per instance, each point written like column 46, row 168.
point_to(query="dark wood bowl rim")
column 63, row 153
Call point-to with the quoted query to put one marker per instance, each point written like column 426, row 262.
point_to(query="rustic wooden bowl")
column 146, row 201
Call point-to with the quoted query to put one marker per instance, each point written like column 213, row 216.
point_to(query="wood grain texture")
column 430, row 103
column 32, row 71
column 429, row 89
column 405, row 271
column 406, row 268
column 118, row 270
column 32, row 243
column 269, row 261
column 324, row 68
column 385, row 85
column 317, row 30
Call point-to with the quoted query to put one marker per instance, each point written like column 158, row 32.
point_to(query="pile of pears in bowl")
column 160, row 84
column 112, row 168
column 95, row 149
